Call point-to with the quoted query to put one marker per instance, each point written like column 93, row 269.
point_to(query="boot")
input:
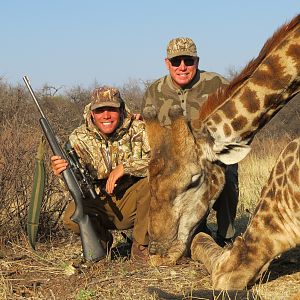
column 139, row 253
column 222, row 242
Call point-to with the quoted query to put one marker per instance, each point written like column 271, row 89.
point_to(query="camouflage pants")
column 131, row 211
column 226, row 204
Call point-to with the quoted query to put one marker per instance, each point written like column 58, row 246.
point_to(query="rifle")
column 80, row 172
column 83, row 174
column 91, row 245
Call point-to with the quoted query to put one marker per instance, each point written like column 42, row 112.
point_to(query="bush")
column 19, row 139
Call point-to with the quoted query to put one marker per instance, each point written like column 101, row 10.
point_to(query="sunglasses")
column 176, row 61
column 100, row 110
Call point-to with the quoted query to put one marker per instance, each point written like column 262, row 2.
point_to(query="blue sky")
column 70, row 42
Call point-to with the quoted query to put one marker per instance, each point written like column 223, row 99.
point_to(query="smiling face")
column 106, row 119
column 182, row 69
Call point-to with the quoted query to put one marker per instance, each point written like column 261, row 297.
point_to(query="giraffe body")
column 186, row 171
column 274, row 229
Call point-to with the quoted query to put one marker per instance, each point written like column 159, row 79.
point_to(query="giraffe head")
column 179, row 175
column 185, row 172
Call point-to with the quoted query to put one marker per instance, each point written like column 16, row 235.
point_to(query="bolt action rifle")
column 80, row 172
column 91, row 245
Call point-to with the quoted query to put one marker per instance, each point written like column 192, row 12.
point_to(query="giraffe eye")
column 196, row 180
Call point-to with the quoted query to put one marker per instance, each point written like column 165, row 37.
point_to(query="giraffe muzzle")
column 156, row 248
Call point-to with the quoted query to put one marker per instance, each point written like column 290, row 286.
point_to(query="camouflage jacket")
column 163, row 94
column 100, row 154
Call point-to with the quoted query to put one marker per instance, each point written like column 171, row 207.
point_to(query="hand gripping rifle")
column 91, row 245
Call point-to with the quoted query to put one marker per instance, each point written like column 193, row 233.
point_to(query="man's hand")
column 137, row 117
column 58, row 165
column 115, row 174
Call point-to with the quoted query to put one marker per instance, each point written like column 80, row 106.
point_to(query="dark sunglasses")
column 176, row 61
column 100, row 110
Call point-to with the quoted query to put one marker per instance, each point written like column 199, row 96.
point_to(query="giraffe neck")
column 262, row 88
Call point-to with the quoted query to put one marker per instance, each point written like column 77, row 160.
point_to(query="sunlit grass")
column 5, row 288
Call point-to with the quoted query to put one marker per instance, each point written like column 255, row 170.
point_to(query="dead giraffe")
column 186, row 172
column 274, row 229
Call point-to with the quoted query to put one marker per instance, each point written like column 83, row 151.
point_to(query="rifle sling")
column 36, row 194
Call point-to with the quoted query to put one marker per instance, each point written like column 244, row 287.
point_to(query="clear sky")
column 71, row 42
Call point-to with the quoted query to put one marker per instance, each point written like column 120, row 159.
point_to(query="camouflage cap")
column 181, row 46
column 105, row 96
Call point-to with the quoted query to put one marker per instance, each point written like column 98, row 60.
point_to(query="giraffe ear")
column 231, row 153
column 228, row 150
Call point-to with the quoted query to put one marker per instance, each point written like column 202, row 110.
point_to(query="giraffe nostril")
column 152, row 248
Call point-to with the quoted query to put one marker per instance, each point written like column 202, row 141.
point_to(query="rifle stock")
column 91, row 244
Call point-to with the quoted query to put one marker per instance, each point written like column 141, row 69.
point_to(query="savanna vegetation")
column 55, row 270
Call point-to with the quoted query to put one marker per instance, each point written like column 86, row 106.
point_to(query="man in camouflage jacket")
column 113, row 147
column 188, row 87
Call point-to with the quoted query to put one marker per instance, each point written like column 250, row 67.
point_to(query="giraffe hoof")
column 175, row 111
column 149, row 113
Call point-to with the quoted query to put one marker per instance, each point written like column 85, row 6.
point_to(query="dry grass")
column 5, row 288
column 48, row 275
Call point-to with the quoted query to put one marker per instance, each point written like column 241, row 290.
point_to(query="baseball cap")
column 181, row 46
column 105, row 96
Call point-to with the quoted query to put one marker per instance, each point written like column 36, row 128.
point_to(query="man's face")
column 182, row 69
column 106, row 119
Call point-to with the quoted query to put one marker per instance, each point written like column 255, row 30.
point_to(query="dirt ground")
column 56, row 271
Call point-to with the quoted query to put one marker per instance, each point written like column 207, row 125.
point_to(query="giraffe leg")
column 206, row 250
column 222, row 263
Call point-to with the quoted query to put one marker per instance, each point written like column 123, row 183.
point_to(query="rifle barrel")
column 26, row 80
